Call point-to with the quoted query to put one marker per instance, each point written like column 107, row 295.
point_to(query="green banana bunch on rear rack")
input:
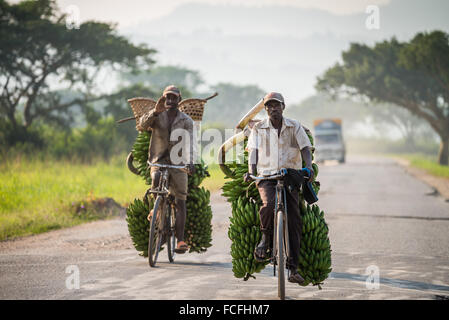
column 198, row 229
column 244, row 230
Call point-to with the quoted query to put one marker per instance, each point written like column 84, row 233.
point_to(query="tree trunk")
column 443, row 155
column 410, row 142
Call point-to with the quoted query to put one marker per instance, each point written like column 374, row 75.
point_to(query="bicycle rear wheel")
column 155, row 238
column 171, row 239
column 280, row 255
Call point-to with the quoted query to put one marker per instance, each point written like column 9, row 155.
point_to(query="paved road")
column 378, row 216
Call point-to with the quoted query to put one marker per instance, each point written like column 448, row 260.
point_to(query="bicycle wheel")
column 280, row 254
column 155, row 238
column 171, row 239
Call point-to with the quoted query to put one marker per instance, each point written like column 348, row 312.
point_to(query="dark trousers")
column 267, row 191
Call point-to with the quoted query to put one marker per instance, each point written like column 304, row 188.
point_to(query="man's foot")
column 182, row 247
column 295, row 277
column 150, row 215
column 260, row 255
column 261, row 251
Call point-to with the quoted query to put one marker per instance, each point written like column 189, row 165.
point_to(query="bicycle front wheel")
column 280, row 254
column 155, row 238
column 171, row 239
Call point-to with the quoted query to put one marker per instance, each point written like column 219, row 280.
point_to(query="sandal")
column 260, row 254
column 182, row 247
column 295, row 277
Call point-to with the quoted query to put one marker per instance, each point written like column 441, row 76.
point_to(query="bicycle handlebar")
column 166, row 165
column 272, row 177
column 281, row 174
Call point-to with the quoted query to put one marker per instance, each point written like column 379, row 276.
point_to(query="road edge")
column 439, row 184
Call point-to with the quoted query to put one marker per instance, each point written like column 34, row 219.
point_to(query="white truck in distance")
column 329, row 141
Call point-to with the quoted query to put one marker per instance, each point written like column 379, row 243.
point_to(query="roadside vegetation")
column 427, row 163
column 42, row 195
column 39, row 195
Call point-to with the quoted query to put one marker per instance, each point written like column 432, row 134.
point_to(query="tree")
column 40, row 58
column 161, row 76
column 321, row 105
column 413, row 75
column 232, row 103
column 117, row 107
column 410, row 126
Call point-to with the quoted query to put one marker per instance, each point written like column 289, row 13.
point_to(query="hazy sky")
column 129, row 12
column 279, row 45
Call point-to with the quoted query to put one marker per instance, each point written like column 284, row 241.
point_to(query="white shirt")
column 276, row 152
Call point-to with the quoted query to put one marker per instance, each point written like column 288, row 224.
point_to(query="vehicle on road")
column 329, row 142
column 279, row 253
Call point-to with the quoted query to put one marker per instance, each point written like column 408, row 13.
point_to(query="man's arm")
column 307, row 156
column 253, row 155
column 149, row 120
column 305, row 147
column 192, row 147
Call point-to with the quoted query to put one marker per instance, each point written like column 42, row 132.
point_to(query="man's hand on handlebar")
column 312, row 173
column 246, row 177
column 190, row 169
column 252, row 171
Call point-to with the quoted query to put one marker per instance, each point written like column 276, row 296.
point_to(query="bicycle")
column 281, row 247
column 162, row 225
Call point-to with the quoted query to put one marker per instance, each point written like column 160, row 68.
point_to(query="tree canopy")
column 40, row 58
column 413, row 75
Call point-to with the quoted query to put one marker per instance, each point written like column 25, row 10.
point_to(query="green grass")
column 428, row 163
column 216, row 179
column 36, row 196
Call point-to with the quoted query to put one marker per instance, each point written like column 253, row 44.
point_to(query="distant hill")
column 278, row 48
column 398, row 17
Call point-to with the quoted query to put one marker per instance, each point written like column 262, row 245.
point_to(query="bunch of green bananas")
column 315, row 251
column 140, row 154
column 138, row 224
column 244, row 230
column 200, row 174
column 198, row 229
column 236, row 186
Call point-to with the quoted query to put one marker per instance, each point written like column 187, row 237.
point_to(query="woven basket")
column 141, row 106
column 194, row 108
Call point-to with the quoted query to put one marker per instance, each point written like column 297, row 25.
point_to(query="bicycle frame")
column 280, row 241
column 280, row 205
column 162, row 188
column 163, row 202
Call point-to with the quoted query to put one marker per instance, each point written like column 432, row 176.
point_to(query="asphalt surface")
column 380, row 218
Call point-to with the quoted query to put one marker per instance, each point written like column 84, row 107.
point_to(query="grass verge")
column 37, row 196
column 216, row 179
column 427, row 163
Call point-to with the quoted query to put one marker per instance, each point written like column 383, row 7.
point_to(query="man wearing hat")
column 163, row 120
column 274, row 143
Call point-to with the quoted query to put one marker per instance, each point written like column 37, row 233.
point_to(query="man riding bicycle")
column 163, row 120
column 275, row 143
